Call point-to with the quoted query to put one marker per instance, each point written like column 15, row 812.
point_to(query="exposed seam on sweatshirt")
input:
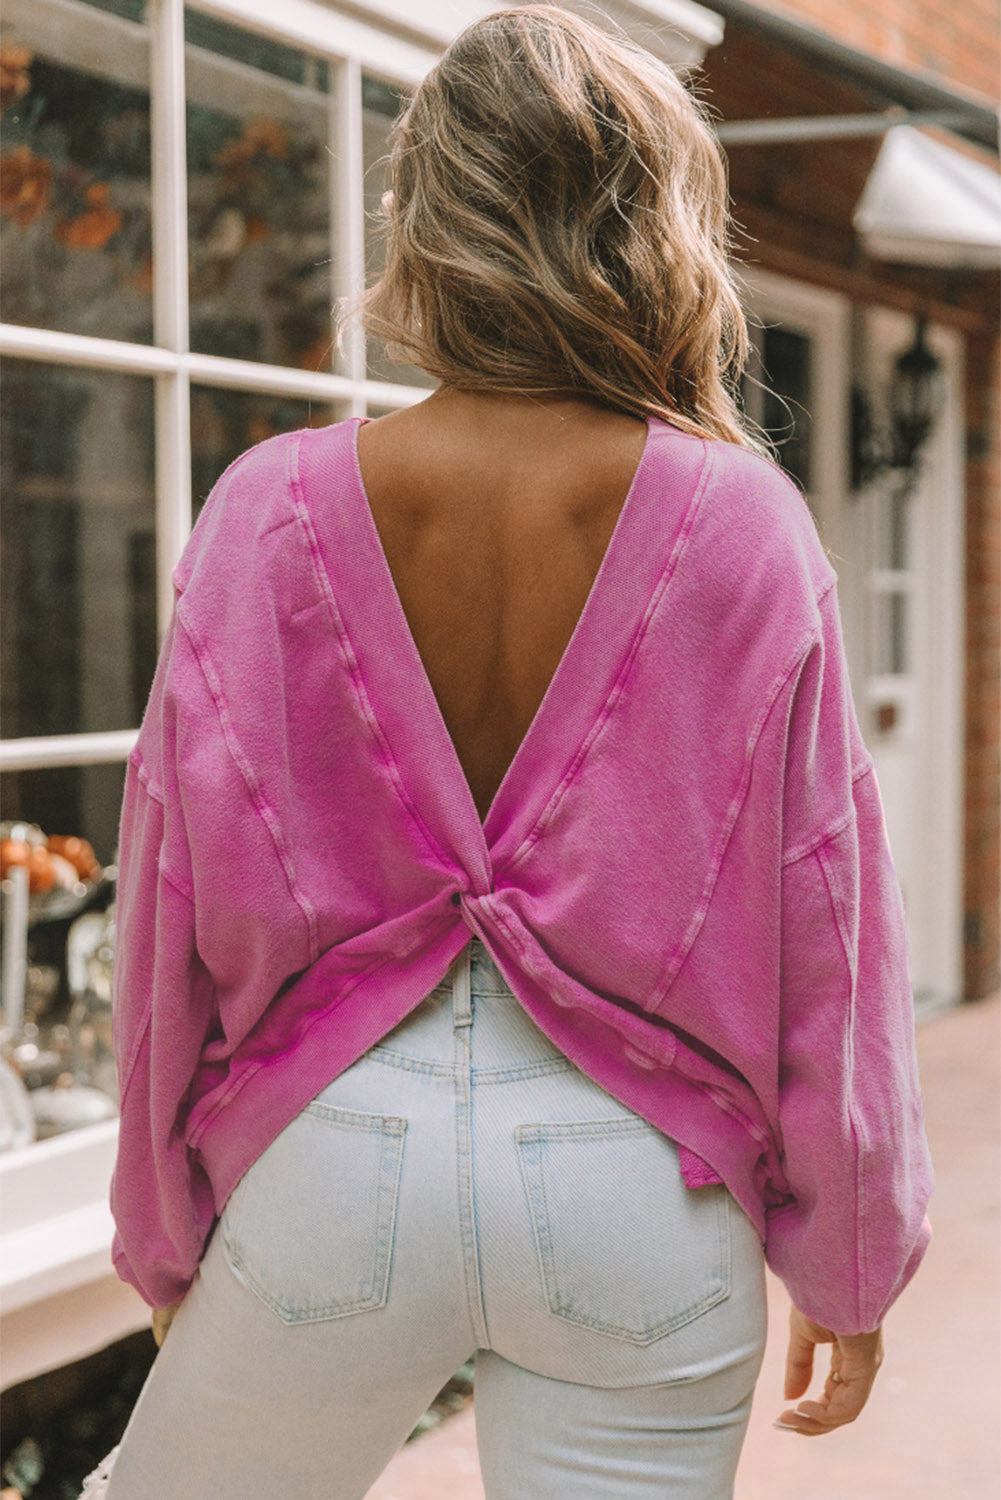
column 674, row 964
column 762, row 1137
column 831, row 832
column 259, row 802
column 605, row 711
column 130, row 1062
column 146, row 777
column 861, row 1214
column 817, row 839
column 176, row 882
column 831, row 583
column 350, row 659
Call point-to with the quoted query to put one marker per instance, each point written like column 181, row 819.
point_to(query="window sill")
column 60, row 1298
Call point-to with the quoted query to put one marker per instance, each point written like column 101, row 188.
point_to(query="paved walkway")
column 930, row 1429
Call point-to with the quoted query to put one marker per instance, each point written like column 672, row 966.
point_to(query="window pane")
column 380, row 105
column 78, row 614
column 893, row 515
column 225, row 424
column 75, row 235
column 132, row 10
column 83, row 801
column 786, row 358
column 891, row 621
column 259, row 166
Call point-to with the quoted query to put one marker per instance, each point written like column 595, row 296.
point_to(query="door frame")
column 935, row 877
column 938, row 638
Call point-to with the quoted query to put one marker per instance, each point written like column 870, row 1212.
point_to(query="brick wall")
column 982, row 812
column 793, row 203
column 955, row 41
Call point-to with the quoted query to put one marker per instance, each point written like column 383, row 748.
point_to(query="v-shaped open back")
column 394, row 677
column 489, row 662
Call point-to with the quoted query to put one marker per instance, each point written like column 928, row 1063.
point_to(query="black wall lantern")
column 915, row 398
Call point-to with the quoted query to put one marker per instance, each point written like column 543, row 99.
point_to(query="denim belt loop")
column 462, row 989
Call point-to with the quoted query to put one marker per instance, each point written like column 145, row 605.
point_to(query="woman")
column 510, row 955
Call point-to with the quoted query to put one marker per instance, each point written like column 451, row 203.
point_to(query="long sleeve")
column 163, row 1005
column 211, row 915
column 853, row 1141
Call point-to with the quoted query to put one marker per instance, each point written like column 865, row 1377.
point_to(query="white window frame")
column 59, row 1295
column 351, row 46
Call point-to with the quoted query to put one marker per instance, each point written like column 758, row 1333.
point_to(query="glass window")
column 892, row 519
column 83, row 801
column 225, row 424
column 75, row 231
column 259, row 194
column 78, row 568
column 786, row 414
column 132, row 10
column 891, row 617
column 381, row 103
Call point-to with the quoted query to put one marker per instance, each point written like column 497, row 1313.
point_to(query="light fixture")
column 915, row 398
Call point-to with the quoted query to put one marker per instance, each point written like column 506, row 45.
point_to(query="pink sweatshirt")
column 684, row 876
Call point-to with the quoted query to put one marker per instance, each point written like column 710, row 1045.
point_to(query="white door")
column 900, row 570
column 910, row 565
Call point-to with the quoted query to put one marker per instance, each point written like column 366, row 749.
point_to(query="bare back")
column 494, row 515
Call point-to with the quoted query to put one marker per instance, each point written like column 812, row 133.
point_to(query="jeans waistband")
column 473, row 1002
column 485, row 979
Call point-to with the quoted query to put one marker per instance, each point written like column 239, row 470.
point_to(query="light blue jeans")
column 462, row 1187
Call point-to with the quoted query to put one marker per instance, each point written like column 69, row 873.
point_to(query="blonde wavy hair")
column 557, row 222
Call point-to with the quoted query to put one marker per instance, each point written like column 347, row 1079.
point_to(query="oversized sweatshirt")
column 684, row 876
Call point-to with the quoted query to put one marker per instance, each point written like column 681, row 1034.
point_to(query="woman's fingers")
column 855, row 1359
column 799, row 1363
column 840, row 1403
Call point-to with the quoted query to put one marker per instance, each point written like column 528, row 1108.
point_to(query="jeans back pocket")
column 309, row 1227
column 624, row 1247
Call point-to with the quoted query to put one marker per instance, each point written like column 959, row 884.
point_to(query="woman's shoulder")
column 756, row 504
column 252, row 499
column 760, row 479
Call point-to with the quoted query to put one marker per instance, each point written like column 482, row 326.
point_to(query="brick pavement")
column 930, row 1429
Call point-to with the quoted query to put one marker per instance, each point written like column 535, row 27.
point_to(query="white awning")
column 678, row 31
column 927, row 204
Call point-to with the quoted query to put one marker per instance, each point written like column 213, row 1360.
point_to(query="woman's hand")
column 162, row 1319
column 855, row 1359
